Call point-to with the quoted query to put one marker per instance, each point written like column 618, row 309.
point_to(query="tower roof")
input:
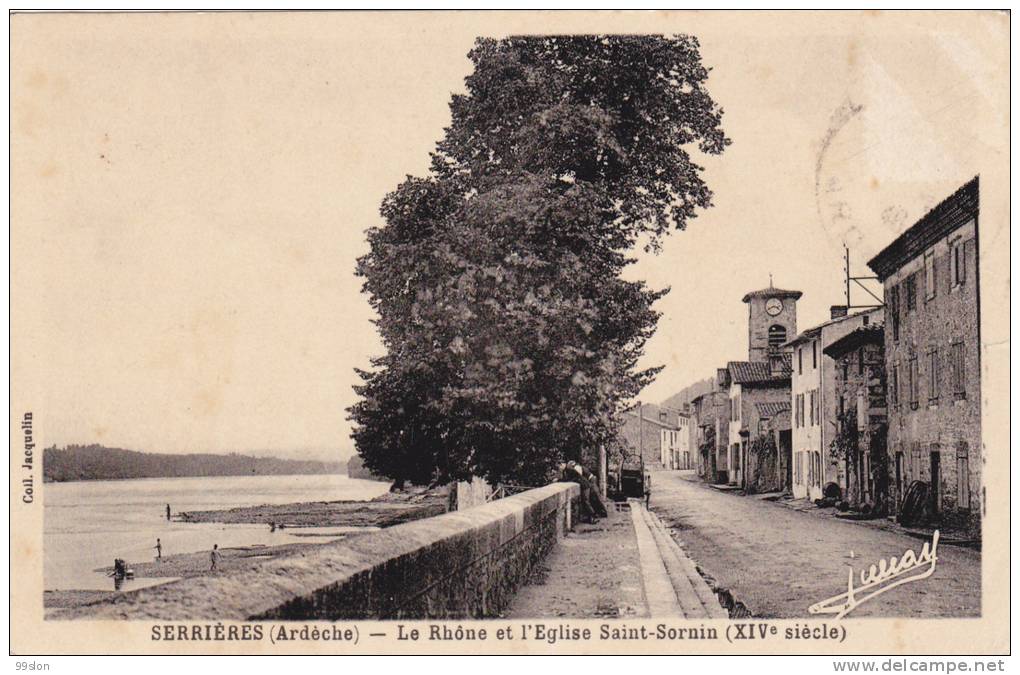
column 772, row 292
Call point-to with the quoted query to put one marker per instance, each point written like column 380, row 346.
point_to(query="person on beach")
column 214, row 557
column 168, row 512
column 159, row 549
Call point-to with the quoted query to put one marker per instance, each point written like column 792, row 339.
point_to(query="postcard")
column 602, row 332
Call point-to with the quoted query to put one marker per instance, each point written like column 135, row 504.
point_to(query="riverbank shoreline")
column 387, row 510
column 360, row 516
column 179, row 566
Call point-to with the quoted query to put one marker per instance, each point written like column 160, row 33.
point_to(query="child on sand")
column 214, row 556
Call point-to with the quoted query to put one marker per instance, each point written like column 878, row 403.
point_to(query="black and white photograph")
column 522, row 332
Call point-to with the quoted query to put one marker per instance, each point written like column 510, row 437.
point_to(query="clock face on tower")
column 774, row 306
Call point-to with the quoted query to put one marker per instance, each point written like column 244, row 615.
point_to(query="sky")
column 190, row 194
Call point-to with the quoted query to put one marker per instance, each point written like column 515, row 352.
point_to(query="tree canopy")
column 511, row 338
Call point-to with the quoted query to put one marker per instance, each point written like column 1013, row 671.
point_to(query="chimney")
column 837, row 311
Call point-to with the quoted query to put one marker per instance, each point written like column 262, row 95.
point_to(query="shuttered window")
column 912, row 381
column 957, row 364
column 929, row 275
column 962, row 475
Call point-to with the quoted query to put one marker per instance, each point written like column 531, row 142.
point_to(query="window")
column 798, row 469
column 956, row 363
column 962, row 476
column 910, row 290
column 957, row 263
column 933, row 375
column 777, row 336
column 894, row 311
column 912, row 382
column 894, row 384
column 814, row 407
column 814, row 354
column 929, row 275
column 800, row 360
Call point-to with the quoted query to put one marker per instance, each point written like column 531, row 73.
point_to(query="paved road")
column 778, row 561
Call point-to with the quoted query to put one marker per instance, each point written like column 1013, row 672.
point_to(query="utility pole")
column 848, row 277
column 641, row 438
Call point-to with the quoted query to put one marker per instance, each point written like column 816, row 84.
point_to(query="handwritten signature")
column 878, row 579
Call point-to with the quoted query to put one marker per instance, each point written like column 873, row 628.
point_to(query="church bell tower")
column 771, row 320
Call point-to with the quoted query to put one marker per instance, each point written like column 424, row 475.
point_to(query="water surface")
column 89, row 523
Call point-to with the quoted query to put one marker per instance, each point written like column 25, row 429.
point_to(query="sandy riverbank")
column 181, row 565
column 389, row 509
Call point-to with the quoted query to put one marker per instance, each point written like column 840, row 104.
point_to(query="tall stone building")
column 763, row 379
column 930, row 276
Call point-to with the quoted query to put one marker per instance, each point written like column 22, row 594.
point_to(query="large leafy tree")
column 511, row 337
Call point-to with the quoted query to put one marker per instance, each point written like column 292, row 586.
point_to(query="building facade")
column 641, row 435
column 930, row 276
column 752, row 386
column 675, row 439
column 805, row 415
column 813, row 402
column 861, row 416
column 708, row 413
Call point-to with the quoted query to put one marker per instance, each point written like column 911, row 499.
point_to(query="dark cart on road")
column 632, row 484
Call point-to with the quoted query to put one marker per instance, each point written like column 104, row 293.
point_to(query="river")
column 89, row 523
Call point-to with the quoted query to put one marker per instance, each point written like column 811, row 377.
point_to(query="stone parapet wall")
column 465, row 564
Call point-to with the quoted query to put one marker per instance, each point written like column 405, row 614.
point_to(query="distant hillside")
column 96, row 462
column 689, row 393
column 356, row 469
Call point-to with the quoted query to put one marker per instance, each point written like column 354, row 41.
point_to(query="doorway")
column 936, row 481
